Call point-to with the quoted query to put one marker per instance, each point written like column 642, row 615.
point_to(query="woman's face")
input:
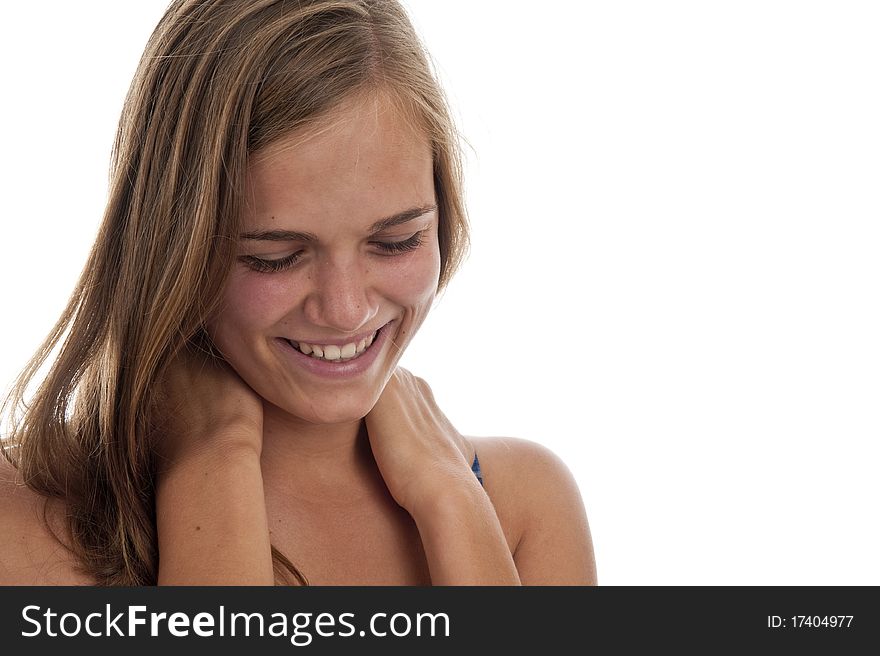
column 337, row 265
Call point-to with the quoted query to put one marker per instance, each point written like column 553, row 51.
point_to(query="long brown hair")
column 219, row 80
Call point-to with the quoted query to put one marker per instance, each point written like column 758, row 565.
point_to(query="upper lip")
column 354, row 339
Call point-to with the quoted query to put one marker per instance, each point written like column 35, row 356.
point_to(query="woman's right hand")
column 204, row 405
column 211, row 516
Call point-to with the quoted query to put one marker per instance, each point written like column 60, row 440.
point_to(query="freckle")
column 198, row 528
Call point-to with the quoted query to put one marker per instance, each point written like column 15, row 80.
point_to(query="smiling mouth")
column 334, row 353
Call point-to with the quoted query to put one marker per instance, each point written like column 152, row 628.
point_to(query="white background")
column 674, row 275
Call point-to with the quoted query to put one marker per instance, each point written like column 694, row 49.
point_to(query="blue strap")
column 476, row 469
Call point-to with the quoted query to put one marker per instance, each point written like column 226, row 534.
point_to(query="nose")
column 341, row 297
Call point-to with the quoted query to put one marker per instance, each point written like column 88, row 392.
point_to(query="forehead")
column 361, row 160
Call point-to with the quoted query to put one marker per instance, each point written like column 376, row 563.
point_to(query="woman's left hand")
column 418, row 451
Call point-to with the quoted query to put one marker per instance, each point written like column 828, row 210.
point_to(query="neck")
column 316, row 461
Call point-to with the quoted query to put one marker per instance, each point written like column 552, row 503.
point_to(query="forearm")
column 211, row 521
column 463, row 539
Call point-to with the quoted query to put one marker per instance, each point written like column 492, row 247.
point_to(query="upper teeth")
column 333, row 352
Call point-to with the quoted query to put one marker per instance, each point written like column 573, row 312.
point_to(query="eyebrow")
column 383, row 224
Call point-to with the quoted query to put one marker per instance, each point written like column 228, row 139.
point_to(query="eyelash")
column 274, row 266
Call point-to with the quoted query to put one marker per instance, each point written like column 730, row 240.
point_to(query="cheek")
column 414, row 282
column 413, row 287
column 250, row 302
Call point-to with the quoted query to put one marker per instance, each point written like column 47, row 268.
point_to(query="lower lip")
column 338, row 369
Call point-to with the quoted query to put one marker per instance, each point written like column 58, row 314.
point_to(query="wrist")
column 229, row 449
column 447, row 499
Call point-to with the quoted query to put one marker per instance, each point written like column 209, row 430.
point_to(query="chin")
column 342, row 411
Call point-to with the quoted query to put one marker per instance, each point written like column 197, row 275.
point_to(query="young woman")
column 226, row 406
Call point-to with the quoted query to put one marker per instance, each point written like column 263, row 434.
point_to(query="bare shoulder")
column 536, row 495
column 29, row 553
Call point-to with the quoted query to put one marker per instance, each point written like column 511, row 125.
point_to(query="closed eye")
column 396, row 247
column 271, row 266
